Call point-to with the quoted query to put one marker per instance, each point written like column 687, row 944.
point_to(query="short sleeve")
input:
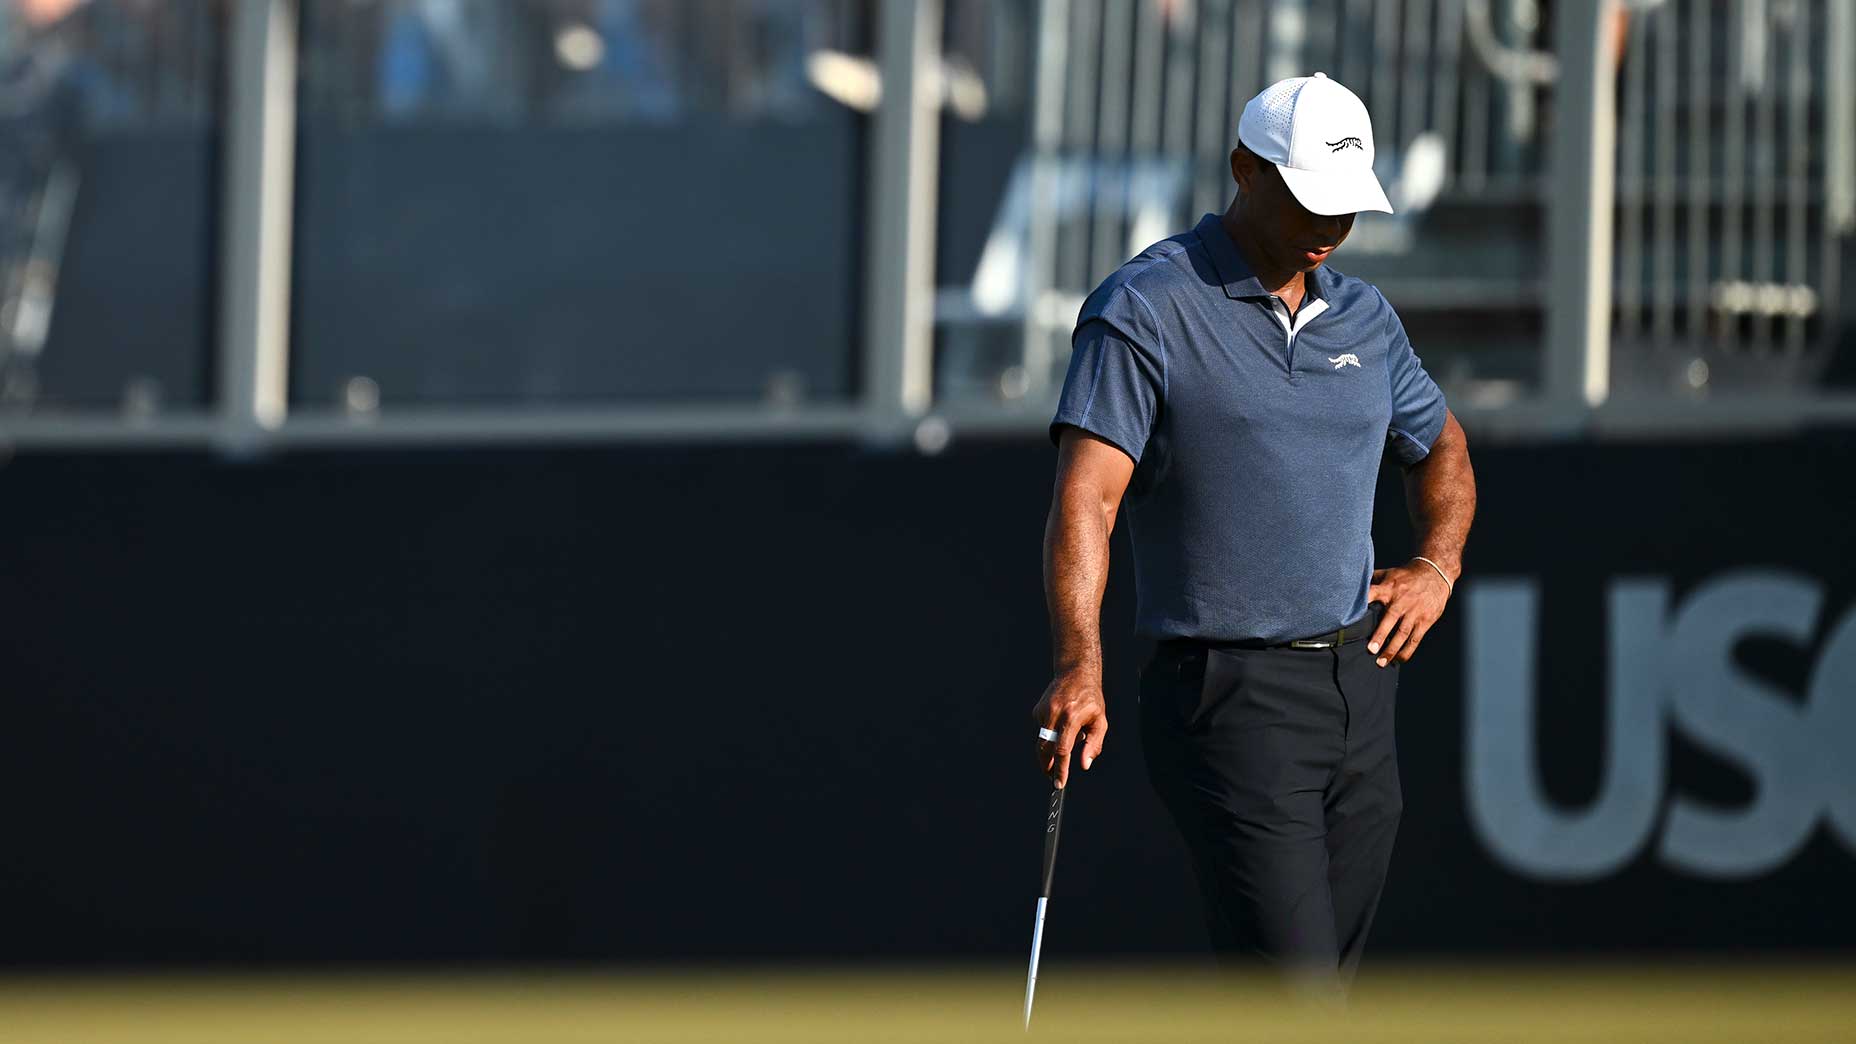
column 1417, row 402
column 1117, row 372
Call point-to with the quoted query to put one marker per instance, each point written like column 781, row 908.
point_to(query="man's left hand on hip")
column 1413, row 596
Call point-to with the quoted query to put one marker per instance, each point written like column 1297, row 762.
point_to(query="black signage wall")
column 649, row 704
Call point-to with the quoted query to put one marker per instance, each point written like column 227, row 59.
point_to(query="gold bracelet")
column 1440, row 571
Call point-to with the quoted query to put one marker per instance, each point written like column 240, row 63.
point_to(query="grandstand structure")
column 284, row 223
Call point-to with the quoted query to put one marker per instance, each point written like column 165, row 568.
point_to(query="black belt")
column 1357, row 631
column 1338, row 637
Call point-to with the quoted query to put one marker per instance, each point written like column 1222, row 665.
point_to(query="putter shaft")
column 1037, row 943
column 1053, row 826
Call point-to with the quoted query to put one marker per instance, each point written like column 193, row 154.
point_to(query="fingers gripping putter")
column 1053, row 825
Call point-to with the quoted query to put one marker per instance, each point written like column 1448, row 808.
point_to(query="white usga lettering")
column 1682, row 664
column 1745, row 721
column 1833, row 723
column 1526, row 832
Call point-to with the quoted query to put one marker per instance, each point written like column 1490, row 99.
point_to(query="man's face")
column 1292, row 238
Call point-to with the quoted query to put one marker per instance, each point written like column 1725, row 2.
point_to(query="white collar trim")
column 1310, row 309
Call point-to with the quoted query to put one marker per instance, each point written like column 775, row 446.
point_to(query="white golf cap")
column 1318, row 134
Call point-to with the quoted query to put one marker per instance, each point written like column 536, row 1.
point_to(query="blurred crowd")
column 625, row 60
column 69, row 64
column 94, row 63
column 630, row 60
column 74, row 73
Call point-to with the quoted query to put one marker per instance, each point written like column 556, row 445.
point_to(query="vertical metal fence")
column 1159, row 85
column 1733, row 163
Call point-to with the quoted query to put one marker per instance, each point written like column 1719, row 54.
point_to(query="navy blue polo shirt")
column 1257, row 439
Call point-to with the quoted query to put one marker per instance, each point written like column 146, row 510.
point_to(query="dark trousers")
column 1278, row 765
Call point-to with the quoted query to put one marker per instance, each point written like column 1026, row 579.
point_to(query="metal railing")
column 1734, row 175
column 1135, row 109
column 1719, row 132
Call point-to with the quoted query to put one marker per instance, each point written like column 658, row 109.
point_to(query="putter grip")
column 1053, row 826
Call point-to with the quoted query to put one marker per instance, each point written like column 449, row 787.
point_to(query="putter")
column 1053, row 825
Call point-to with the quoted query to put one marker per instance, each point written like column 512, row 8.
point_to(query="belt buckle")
column 1310, row 643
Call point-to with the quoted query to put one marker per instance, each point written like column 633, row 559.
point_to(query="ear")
column 1245, row 168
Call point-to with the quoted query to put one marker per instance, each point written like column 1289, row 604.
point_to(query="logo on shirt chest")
column 1347, row 359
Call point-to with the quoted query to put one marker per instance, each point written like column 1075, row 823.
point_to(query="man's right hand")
column 1072, row 706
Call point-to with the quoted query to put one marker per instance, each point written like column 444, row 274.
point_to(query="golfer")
column 1239, row 396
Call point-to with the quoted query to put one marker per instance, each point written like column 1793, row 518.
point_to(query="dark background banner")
column 654, row 702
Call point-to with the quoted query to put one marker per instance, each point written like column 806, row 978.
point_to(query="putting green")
column 1681, row 1004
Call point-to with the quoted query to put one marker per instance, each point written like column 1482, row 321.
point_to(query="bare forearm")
column 1092, row 474
column 1076, row 555
column 1440, row 493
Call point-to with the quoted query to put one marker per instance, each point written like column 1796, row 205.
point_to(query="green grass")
column 1687, row 1004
